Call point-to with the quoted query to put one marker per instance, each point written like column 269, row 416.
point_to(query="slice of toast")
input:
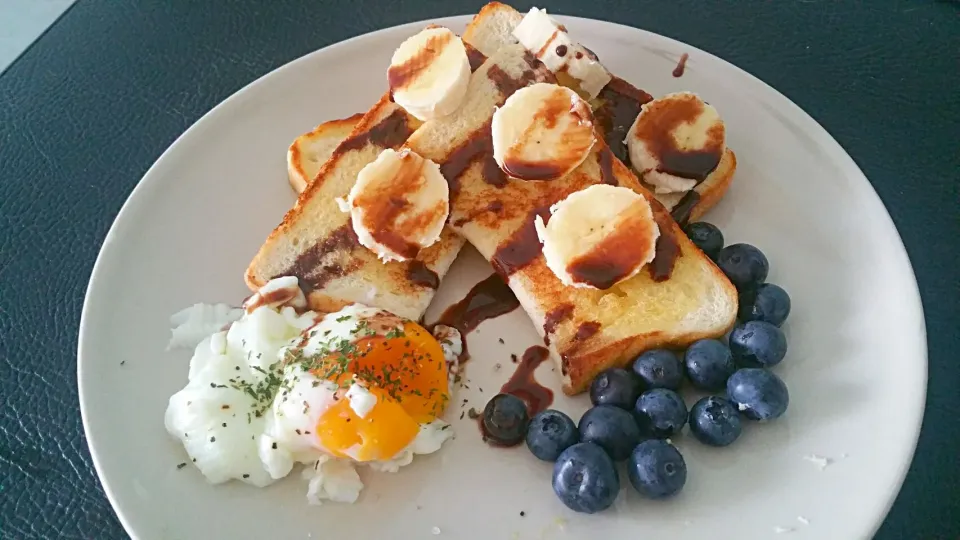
column 615, row 108
column 311, row 150
column 682, row 297
column 316, row 243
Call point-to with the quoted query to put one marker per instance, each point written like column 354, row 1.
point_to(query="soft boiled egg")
column 359, row 385
column 280, row 387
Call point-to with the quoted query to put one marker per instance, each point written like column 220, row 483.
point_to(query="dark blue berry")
column 656, row 469
column 769, row 303
column 550, row 433
column 706, row 236
column 745, row 265
column 715, row 421
column 709, row 364
column 758, row 394
column 505, row 420
column 613, row 428
column 659, row 368
column 660, row 413
column 617, row 387
column 758, row 344
column 585, row 478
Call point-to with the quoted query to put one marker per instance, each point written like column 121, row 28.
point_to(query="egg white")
column 215, row 418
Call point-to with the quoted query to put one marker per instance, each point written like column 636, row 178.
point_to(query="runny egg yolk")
column 406, row 372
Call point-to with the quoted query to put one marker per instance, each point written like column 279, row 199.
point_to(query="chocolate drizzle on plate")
column 681, row 65
column 523, row 385
column 487, row 300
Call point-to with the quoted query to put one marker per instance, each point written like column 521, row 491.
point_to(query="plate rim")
column 836, row 152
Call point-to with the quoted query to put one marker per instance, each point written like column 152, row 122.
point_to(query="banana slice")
column 542, row 132
column 549, row 41
column 429, row 73
column 599, row 236
column 676, row 142
column 398, row 205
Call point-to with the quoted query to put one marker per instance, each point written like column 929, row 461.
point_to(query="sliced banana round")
column 398, row 205
column 429, row 73
column 599, row 236
column 542, row 132
column 676, row 142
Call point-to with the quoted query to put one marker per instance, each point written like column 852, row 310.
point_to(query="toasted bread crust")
column 315, row 242
column 310, row 151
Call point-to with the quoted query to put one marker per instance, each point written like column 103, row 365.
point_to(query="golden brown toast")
column 311, row 150
column 615, row 109
column 316, row 242
column 680, row 298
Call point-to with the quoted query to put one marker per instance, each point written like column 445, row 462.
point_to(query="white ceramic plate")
column 856, row 366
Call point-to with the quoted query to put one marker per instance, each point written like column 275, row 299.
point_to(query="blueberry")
column 769, row 303
column 617, row 387
column 585, row 478
column 550, row 433
column 706, row 236
column 758, row 344
column 660, row 413
column 656, row 469
column 758, row 393
column 505, row 420
column 659, row 368
column 745, row 265
column 613, row 428
column 715, row 421
column 709, row 364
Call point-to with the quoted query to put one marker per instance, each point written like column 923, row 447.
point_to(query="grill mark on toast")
column 554, row 317
column 390, row 132
column 314, row 267
column 681, row 212
column 420, row 274
column 523, row 246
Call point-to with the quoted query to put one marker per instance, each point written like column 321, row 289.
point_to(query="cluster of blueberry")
column 635, row 411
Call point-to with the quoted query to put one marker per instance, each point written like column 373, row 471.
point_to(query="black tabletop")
column 89, row 107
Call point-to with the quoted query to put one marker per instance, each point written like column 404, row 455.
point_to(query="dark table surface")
column 89, row 107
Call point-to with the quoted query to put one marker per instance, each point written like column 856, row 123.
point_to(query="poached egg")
column 281, row 387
